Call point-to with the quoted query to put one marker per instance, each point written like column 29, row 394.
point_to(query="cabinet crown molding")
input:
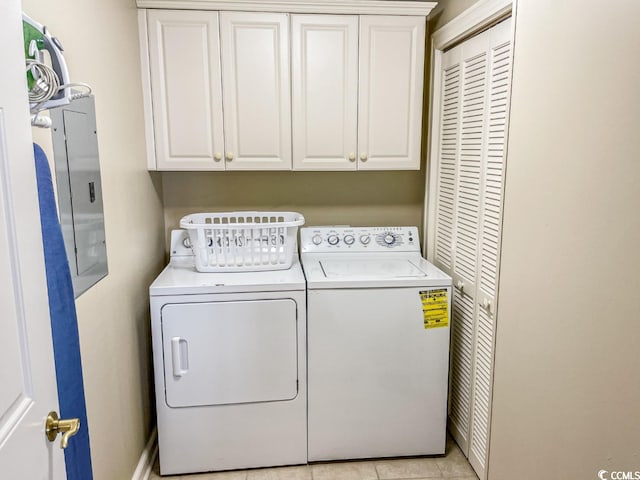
column 355, row 7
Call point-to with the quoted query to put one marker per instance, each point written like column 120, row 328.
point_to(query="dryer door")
column 230, row 352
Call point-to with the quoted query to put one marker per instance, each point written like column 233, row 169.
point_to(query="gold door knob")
column 54, row 426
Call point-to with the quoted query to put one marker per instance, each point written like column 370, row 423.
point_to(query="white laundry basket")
column 242, row 241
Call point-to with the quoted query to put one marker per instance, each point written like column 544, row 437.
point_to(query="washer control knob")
column 365, row 239
column 349, row 239
column 333, row 239
column 389, row 239
column 316, row 239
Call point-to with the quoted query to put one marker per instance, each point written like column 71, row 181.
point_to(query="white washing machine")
column 229, row 353
column 378, row 319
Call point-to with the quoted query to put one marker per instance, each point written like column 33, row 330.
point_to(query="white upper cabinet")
column 184, row 62
column 264, row 90
column 390, row 92
column 256, row 90
column 324, row 63
column 357, row 92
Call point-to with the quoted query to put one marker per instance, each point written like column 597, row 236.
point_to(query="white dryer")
column 378, row 344
column 229, row 353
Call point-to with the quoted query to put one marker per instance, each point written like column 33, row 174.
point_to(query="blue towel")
column 64, row 325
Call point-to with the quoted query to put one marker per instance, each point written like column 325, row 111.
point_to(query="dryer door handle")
column 179, row 356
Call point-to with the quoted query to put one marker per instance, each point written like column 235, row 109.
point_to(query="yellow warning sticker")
column 435, row 308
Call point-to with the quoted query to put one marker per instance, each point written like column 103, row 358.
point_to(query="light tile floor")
column 453, row 465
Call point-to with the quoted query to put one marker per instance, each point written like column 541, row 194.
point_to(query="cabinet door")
column 390, row 96
column 256, row 94
column 184, row 59
column 324, row 50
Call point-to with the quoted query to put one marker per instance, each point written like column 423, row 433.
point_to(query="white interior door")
column 184, row 58
column 324, row 60
column 28, row 378
column 256, row 90
column 390, row 96
column 466, row 185
column 472, row 59
column 498, row 85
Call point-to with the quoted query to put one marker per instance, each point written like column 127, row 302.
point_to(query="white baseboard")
column 148, row 456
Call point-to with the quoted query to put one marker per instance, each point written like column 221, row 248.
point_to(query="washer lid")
column 336, row 270
column 371, row 268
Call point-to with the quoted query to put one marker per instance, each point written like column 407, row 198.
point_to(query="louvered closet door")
column 445, row 243
column 468, row 184
column 467, row 226
column 464, row 81
column 498, row 89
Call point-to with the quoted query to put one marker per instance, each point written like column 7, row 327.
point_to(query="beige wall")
column 324, row 198
column 567, row 380
column 101, row 48
column 446, row 10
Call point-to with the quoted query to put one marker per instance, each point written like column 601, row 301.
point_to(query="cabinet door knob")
column 363, row 156
column 217, row 156
column 352, row 157
column 229, row 156
column 460, row 285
